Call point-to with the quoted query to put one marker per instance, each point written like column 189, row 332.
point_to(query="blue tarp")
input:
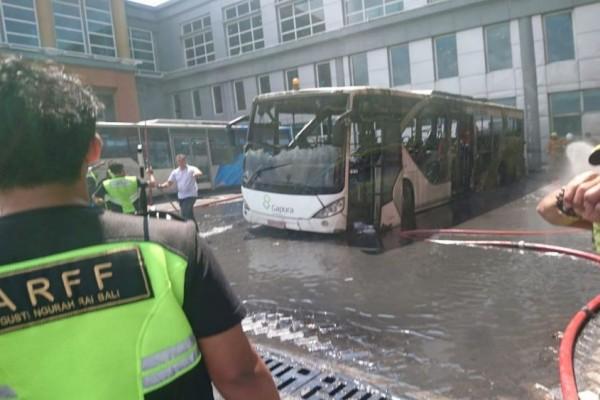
column 230, row 174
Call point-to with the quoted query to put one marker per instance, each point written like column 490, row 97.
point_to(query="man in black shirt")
column 54, row 246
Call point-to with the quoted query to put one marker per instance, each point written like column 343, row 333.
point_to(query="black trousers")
column 187, row 208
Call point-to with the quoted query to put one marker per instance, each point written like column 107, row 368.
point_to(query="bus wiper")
column 259, row 171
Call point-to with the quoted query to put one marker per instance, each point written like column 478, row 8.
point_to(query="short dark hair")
column 116, row 168
column 47, row 122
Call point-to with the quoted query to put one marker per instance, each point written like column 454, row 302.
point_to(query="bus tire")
column 409, row 221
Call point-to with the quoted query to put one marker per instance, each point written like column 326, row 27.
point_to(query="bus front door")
column 362, row 190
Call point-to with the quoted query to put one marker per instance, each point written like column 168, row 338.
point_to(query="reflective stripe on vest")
column 89, row 335
column 122, row 191
column 161, row 367
column 7, row 393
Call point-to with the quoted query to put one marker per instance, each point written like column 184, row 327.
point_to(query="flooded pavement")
column 421, row 318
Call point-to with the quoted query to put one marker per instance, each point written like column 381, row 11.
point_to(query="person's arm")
column 235, row 368
column 582, row 194
column 215, row 314
column 151, row 180
column 547, row 209
column 168, row 183
column 197, row 172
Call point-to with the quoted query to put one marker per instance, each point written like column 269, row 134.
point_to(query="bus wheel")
column 409, row 221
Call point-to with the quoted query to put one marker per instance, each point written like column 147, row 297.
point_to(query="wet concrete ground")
column 421, row 318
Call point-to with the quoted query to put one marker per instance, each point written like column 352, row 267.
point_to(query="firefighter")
column 121, row 193
column 577, row 204
column 95, row 304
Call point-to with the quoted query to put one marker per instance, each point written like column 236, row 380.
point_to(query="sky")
column 151, row 2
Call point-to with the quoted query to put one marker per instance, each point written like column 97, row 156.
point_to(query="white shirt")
column 185, row 181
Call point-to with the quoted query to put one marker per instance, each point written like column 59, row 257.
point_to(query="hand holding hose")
column 582, row 194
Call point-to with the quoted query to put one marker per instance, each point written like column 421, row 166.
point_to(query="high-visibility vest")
column 122, row 191
column 596, row 236
column 103, row 322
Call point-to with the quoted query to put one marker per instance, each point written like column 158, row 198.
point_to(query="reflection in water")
column 458, row 322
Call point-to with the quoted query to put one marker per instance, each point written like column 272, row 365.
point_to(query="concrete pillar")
column 121, row 29
column 45, row 18
column 339, row 71
column 530, row 91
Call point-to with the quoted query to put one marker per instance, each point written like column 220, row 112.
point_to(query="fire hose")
column 568, row 382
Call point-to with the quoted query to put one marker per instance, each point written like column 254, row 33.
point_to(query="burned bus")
column 371, row 156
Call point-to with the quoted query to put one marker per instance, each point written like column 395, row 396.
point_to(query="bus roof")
column 364, row 90
column 166, row 123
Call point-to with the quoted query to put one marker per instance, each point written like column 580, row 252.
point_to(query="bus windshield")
column 312, row 161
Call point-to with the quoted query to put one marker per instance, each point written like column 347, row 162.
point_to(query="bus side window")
column 453, row 129
column 409, row 134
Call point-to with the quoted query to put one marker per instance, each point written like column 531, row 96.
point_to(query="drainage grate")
column 301, row 382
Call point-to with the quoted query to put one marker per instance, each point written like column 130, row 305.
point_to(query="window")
column 217, row 100
column 359, row 69
column 198, row 41
column 364, row 10
column 108, row 100
column 565, row 109
column 196, row 103
column 400, row 65
column 498, row 50
column 68, row 25
column 559, row 37
column 240, row 95
column 243, row 26
column 445, row 57
column 300, row 18
column 591, row 100
column 177, row 106
column 98, row 17
column 289, row 78
column 324, row 74
column 20, row 22
column 142, row 48
column 506, row 101
column 2, row 39
column 264, row 84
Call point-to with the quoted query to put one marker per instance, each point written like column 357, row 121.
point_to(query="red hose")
column 487, row 232
column 568, row 383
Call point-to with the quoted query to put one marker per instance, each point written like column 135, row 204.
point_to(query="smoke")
column 577, row 157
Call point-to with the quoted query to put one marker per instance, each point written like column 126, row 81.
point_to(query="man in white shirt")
column 187, row 188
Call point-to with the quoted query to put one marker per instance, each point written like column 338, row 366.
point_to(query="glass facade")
column 498, row 50
column 217, row 99
column 300, row 18
column 359, row 69
column 68, row 25
column 198, row 41
column 264, row 84
column 400, row 65
column 240, row 95
column 243, row 27
column 196, row 103
column 364, row 10
column 559, row 37
column 324, row 75
column 98, row 15
column 446, row 60
column 142, row 48
column 20, row 22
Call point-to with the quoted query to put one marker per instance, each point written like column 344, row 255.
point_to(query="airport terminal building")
column 207, row 59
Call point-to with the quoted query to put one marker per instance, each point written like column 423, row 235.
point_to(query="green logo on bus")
column 267, row 202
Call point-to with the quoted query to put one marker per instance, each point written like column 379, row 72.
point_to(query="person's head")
column 554, row 135
column 181, row 160
column 47, row 126
column 116, row 169
column 570, row 137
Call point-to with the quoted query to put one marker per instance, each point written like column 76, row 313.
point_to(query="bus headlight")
column 334, row 208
